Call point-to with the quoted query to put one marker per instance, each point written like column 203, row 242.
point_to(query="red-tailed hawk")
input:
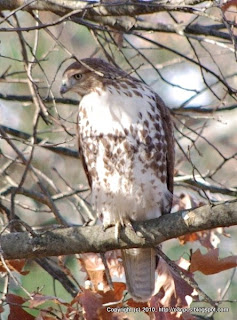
column 126, row 143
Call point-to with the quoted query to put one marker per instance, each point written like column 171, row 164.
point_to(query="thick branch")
column 107, row 8
column 132, row 24
column 64, row 241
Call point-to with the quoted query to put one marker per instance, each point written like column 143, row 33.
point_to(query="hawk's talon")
column 118, row 227
column 107, row 226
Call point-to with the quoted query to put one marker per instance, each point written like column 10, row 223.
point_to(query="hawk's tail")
column 140, row 265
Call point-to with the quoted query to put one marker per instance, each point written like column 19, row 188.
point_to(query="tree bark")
column 65, row 241
column 106, row 8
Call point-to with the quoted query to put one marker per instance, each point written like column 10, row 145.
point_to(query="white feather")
column 140, row 199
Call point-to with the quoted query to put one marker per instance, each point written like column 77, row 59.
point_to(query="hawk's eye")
column 77, row 76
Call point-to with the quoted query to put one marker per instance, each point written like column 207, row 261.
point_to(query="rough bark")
column 64, row 241
column 107, row 8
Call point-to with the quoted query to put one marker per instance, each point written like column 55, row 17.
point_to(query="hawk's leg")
column 119, row 225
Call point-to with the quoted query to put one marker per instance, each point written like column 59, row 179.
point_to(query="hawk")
column 127, row 149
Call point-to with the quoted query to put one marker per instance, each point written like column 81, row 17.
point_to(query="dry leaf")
column 183, row 263
column 38, row 299
column 114, row 295
column 210, row 263
column 172, row 291
column 185, row 201
column 172, row 316
column 16, row 310
column 91, row 302
column 92, row 264
column 231, row 3
column 209, row 238
column 14, row 265
column 44, row 316
column 190, row 237
column 134, row 304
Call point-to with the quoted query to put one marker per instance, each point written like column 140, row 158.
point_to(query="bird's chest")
column 103, row 112
column 123, row 143
column 105, row 122
column 108, row 150
column 120, row 136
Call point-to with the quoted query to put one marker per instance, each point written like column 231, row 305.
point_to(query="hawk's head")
column 89, row 74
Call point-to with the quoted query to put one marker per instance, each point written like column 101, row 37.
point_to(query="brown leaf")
column 16, row 310
column 92, row 264
column 185, row 201
column 171, row 291
column 39, row 299
column 43, row 316
column 114, row 295
column 190, row 237
column 115, row 263
column 91, row 303
column 166, row 315
column 14, row 265
column 231, row 3
column 175, row 288
column 134, row 304
column 210, row 263
column 208, row 238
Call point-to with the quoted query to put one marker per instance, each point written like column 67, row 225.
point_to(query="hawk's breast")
column 123, row 142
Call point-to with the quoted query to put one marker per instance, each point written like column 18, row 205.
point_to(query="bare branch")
column 204, row 185
column 36, row 177
column 41, row 143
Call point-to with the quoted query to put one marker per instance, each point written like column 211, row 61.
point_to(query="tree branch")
column 203, row 110
column 204, row 185
column 188, row 109
column 107, row 8
column 65, row 241
column 41, row 143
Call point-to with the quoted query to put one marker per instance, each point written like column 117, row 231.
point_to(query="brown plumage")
column 126, row 143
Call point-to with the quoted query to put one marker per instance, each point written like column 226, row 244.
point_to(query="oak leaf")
column 227, row 5
column 16, row 309
column 92, row 264
column 38, row 299
column 172, row 291
column 91, row 302
column 14, row 265
column 210, row 263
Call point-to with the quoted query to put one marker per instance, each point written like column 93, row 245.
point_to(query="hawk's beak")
column 64, row 88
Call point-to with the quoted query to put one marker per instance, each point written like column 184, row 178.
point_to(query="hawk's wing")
column 81, row 155
column 169, row 137
column 85, row 166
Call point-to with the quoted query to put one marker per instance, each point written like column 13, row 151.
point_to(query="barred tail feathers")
column 140, row 265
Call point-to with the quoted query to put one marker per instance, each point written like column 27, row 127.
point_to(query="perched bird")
column 127, row 149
